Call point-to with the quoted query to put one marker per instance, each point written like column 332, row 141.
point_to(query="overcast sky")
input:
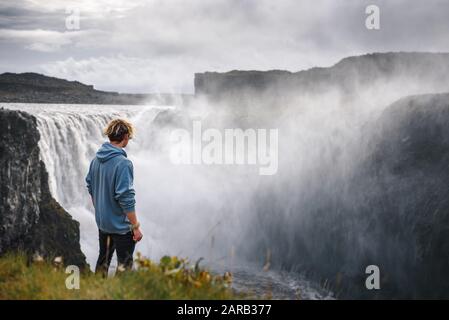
column 158, row 45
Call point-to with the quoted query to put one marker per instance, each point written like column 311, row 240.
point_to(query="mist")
column 318, row 213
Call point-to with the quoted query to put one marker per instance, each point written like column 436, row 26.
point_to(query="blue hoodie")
column 110, row 183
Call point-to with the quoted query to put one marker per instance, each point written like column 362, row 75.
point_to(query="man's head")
column 119, row 132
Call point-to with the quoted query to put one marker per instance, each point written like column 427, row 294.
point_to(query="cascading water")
column 184, row 210
column 70, row 136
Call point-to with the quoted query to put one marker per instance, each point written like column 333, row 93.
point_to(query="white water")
column 70, row 136
column 183, row 210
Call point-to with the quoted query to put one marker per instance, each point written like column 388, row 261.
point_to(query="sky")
column 157, row 45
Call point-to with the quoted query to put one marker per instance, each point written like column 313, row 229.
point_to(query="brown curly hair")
column 117, row 129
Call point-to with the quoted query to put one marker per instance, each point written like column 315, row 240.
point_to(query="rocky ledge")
column 31, row 220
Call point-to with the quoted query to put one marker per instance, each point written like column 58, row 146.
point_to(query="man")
column 110, row 184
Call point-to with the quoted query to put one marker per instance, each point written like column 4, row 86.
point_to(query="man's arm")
column 89, row 179
column 124, row 194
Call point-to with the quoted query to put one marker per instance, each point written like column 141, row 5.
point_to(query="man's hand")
column 137, row 235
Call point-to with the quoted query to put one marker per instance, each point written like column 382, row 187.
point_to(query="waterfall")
column 225, row 213
column 319, row 212
column 70, row 136
column 182, row 209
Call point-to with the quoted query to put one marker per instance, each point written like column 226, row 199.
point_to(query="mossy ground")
column 171, row 278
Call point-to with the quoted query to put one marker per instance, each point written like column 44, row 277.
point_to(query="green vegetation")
column 171, row 278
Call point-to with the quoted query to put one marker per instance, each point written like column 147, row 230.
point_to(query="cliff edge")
column 31, row 220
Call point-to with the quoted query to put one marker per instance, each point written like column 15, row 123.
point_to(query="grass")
column 171, row 278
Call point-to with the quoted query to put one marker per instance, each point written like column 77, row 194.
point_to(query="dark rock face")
column 393, row 211
column 30, row 219
column 410, row 167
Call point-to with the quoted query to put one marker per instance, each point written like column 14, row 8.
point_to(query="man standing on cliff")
column 110, row 184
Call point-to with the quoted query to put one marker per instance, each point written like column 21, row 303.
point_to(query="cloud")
column 48, row 40
column 126, row 74
column 39, row 40
column 178, row 36
column 88, row 7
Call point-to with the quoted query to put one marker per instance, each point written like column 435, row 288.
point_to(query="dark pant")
column 110, row 242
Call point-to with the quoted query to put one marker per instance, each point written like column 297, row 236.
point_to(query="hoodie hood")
column 107, row 151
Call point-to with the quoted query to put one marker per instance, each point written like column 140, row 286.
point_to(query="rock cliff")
column 391, row 211
column 30, row 218
column 278, row 88
column 37, row 88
